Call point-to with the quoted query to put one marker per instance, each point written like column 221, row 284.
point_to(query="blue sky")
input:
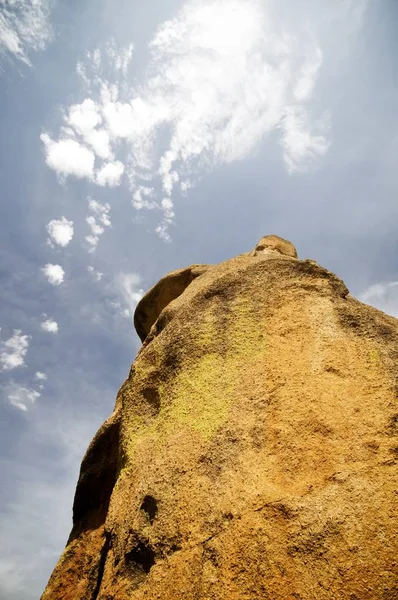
column 142, row 137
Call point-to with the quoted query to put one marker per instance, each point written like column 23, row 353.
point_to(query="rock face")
column 253, row 449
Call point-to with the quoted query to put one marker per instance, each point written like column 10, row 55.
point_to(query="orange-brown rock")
column 253, row 449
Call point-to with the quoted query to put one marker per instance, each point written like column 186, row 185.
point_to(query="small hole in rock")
column 142, row 556
column 151, row 395
column 150, row 507
column 175, row 548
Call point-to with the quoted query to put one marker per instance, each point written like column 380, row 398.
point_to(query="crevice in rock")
column 97, row 479
column 101, row 565
column 142, row 556
column 150, row 507
column 393, row 425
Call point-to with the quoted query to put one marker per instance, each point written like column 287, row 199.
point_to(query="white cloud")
column 223, row 75
column 84, row 119
column 96, row 231
column 383, row 296
column 97, row 223
column 92, row 240
column 101, row 210
column 96, row 275
column 54, row 273
column 40, row 376
column 143, row 197
column 24, row 26
column 95, row 228
column 120, row 119
column 185, row 185
column 100, row 143
column 168, row 215
column 60, row 231
column 110, row 174
column 21, row 397
column 50, row 326
column 128, row 286
column 14, row 350
column 68, row 157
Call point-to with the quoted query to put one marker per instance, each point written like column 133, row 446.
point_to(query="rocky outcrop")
column 253, row 448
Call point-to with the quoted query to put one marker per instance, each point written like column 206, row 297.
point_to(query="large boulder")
column 253, row 449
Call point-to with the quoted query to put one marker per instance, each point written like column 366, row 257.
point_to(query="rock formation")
column 253, row 449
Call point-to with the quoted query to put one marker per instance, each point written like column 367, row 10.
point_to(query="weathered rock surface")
column 253, row 449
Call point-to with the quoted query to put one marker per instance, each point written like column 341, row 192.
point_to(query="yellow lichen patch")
column 247, row 329
column 140, row 429
column 199, row 401
column 202, row 395
column 207, row 332
column 374, row 357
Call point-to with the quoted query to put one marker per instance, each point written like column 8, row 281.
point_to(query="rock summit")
column 253, row 449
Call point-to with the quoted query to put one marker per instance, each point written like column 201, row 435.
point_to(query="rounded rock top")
column 274, row 243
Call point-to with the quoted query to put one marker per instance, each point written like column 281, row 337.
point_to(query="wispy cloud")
column 24, row 26
column 128, row 287
column 223, row 74
column 303, row 142
column 13, row 350
column 96, row 275
column 21, row 397
column 54, row 273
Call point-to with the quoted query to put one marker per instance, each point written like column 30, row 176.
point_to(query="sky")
column 137, row 138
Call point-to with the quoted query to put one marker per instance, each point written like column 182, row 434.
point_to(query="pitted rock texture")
column 253, row 448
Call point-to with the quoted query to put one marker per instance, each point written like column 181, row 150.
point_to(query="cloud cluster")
column 60, row 231
column 83, row 140
column 13, row 351
column 54, row 273
column 24, row 26
column 223, row 74
column 12, row 355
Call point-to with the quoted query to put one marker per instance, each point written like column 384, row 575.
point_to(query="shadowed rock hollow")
column 253, row 449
